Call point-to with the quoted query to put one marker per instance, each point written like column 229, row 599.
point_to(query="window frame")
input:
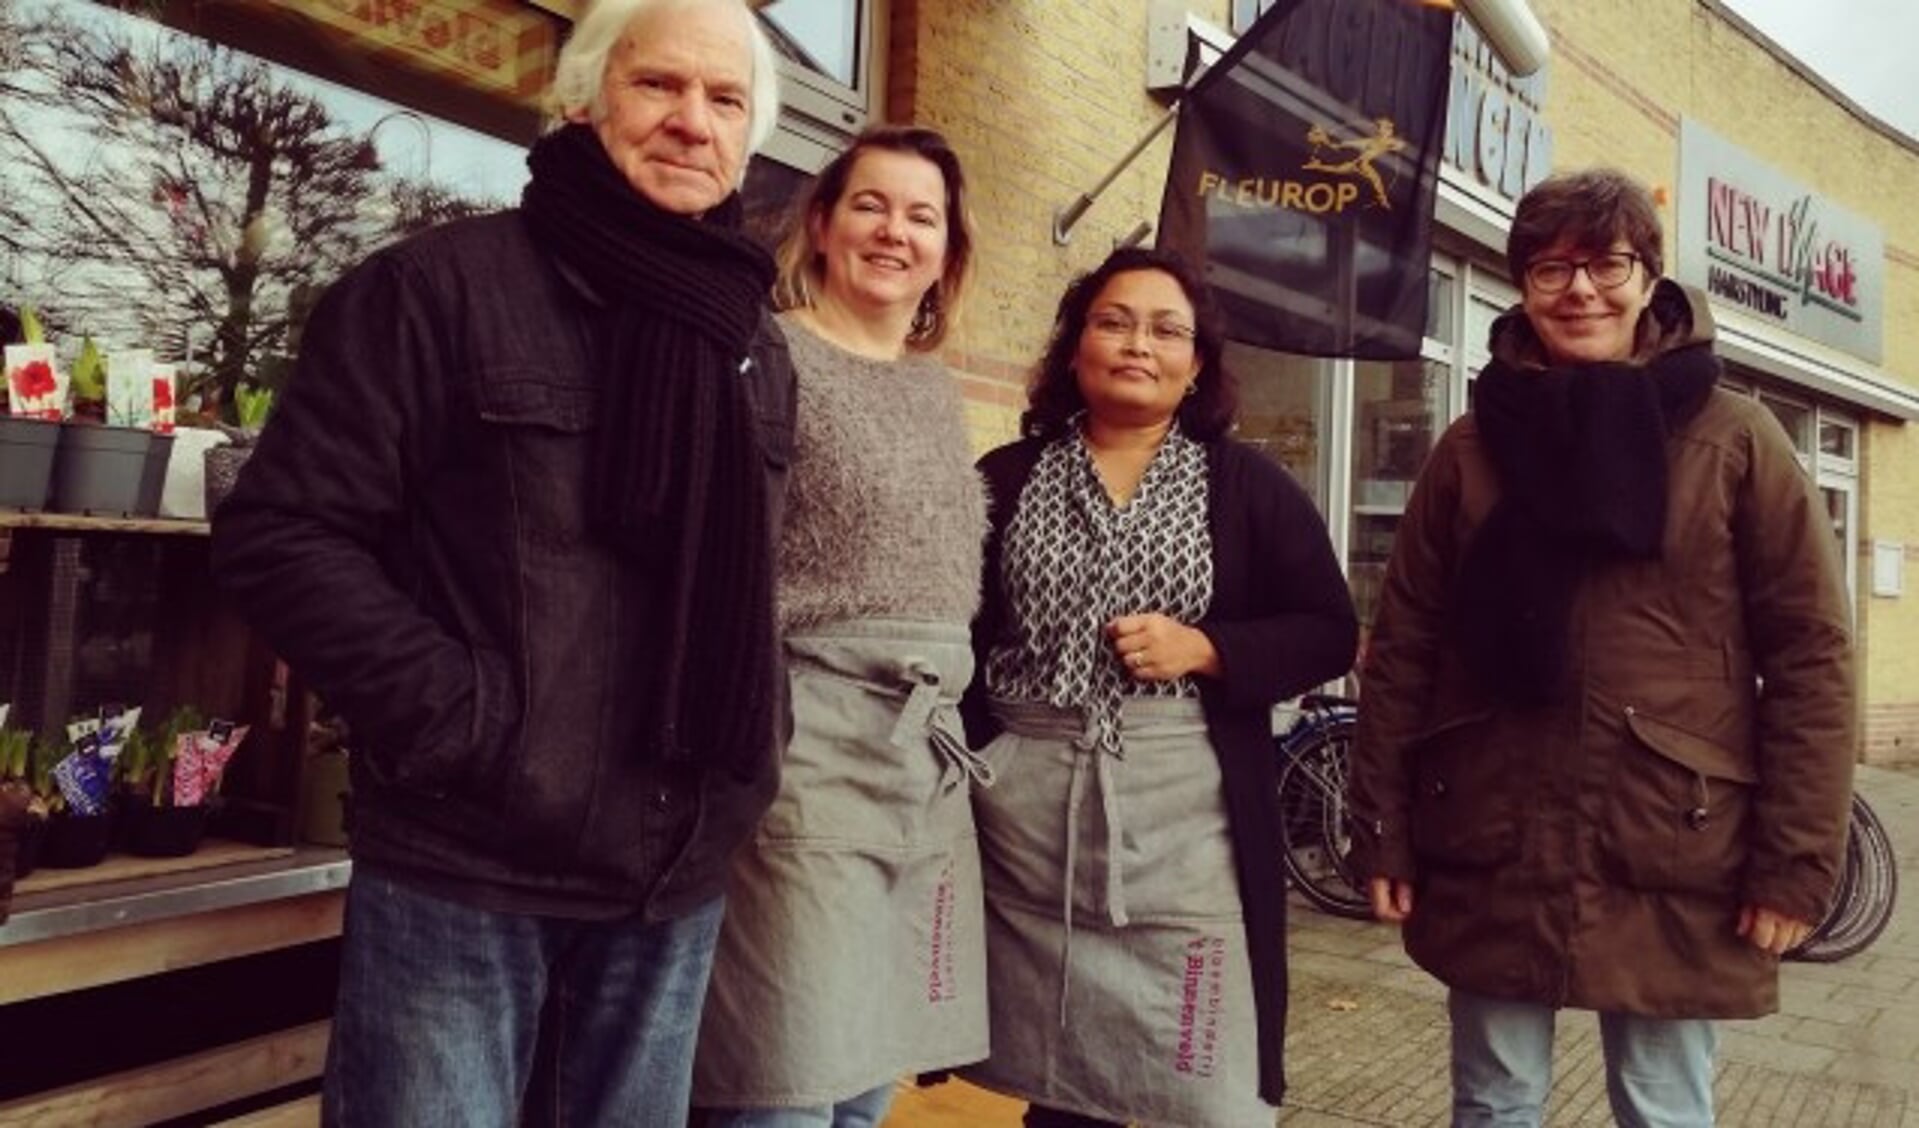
column 819, row 98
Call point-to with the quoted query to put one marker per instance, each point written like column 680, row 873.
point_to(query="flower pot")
column 161, row 832
column 153, row 477
column 26, row 460
column 223, row 464
column 185, row 493
column 26, row 851
column 15, row 824
column 99, row 469
column 76, row 841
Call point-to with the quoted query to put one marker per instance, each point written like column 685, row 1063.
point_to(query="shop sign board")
column 501, row 46
column 1766, row 245
column 1496, row 131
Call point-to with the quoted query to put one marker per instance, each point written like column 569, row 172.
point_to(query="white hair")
column 581, row 67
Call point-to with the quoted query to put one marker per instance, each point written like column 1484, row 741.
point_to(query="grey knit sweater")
column 885, row 515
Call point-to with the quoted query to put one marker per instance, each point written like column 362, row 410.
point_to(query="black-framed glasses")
column 1608, row 271
column 1121, row 327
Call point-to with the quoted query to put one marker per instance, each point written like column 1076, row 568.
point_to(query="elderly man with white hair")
column 513, row 520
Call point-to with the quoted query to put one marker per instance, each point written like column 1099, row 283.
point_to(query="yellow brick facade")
column 1041, row 98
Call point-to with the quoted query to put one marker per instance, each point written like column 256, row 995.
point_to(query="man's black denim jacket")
column 410, row 535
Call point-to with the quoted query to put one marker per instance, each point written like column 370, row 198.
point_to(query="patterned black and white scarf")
column 1073, row 562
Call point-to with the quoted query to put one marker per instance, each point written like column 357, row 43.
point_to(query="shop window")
column 1837, row 474
column 190, row 177
column 1841, row 498
column 1837, row 440
column 1796, row 418
column 168, row 190
column 1489, row 297
column 1399, row 411
column 1439, row 307
column 1283, row 407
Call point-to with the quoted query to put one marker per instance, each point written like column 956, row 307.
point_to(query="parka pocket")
column 1465, row 800
column 1681, row 804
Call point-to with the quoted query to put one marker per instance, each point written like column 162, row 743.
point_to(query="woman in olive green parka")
column 1569, row 783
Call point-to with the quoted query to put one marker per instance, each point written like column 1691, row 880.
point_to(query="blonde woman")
column 853, row 947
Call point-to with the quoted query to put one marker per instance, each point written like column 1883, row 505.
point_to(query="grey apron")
column 1120, row 983
column 853, row 950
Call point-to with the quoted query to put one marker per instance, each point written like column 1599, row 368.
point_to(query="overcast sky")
column 1861, row 47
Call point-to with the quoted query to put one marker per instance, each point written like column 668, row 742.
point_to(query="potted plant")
column 20, row 827
column 151, row 822
column 72, row 781
column 251, row 405
column 14, row 821
column 99, row 467
column 31, row 403
column 23, row 813
column 134, row 401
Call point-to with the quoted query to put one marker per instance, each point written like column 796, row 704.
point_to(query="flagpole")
column 1066, row 217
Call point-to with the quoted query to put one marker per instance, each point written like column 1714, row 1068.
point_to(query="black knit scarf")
column 1580, row 452
column 677, row 481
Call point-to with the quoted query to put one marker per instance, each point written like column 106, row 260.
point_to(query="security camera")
column 1513, row 32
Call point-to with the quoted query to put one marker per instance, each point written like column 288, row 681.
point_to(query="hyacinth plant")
column 250, row 407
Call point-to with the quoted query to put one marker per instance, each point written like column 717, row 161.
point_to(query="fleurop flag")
column 1304, row 172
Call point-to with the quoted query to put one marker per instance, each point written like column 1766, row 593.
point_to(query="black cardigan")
column 1282, row 621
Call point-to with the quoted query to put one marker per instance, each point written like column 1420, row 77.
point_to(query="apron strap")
column 937, row 718
column 1086, row 747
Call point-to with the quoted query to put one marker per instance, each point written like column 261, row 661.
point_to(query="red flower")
column 33, row 380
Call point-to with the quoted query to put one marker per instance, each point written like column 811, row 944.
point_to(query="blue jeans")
column 440, row 1010
column 1658, row 1070
column 863, row 1111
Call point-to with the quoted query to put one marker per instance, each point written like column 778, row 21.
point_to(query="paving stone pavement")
column 1366, row 1041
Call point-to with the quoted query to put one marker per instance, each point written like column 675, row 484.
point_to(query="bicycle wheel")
column 1315, row 826
column 1870, row 896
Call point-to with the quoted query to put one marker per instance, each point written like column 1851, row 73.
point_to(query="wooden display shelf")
column 236, row 901
column 88, row 523
column 187, row 1085
column 125, row 867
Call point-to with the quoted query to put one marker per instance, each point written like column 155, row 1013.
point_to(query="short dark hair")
column 1589, row 209
column 1053, row 397
column 802, row 271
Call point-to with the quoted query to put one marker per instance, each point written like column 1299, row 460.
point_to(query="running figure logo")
column 1366, row 149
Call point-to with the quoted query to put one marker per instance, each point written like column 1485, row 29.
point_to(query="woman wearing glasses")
column 1152, row 588
column 1567, row 783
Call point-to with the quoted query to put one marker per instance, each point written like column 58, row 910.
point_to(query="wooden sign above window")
column 500, row 46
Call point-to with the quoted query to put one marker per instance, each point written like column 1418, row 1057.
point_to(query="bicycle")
column 1315, row 823
column 1863, row 902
